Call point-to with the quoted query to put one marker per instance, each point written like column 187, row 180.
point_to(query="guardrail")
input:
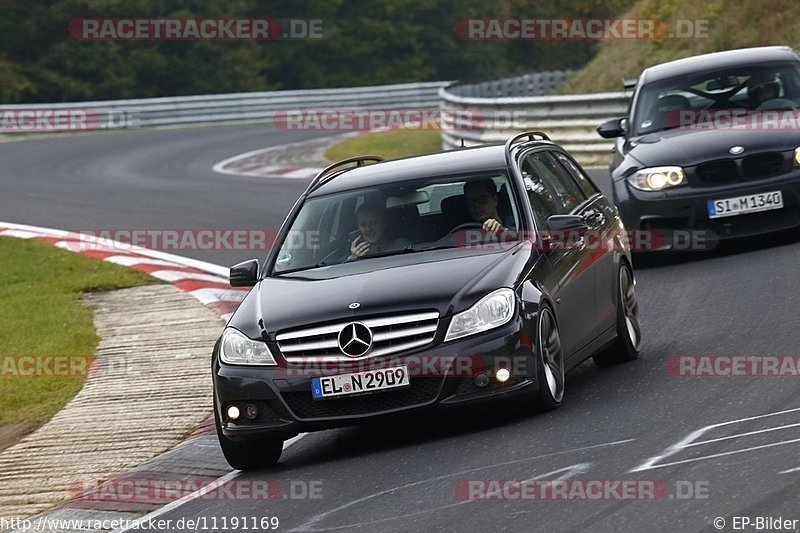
column 240, row 107
column 569, row 120
column 535, row 84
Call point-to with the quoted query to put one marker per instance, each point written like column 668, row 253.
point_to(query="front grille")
column 422, row 390
column 390, row 334
column 713, row 172
column 762, row 165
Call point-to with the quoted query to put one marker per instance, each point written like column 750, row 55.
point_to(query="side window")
column 577, row 173
column 566, row 191
column 539, row 194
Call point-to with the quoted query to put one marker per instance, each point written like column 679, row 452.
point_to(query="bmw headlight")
column 657, row 178
column 491, row 311
column 238, row 349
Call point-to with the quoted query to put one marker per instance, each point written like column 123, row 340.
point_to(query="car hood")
column 447, row 286
column 689, row 148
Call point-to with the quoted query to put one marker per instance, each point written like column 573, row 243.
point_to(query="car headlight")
column 657, row 178
column 797, row 156
column 238, row 349
column 491, row 311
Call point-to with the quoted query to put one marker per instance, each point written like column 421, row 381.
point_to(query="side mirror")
column 565, row 232
column 611, row 128
column 244, row 274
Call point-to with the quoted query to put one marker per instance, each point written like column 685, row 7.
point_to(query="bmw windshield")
column 687, row 101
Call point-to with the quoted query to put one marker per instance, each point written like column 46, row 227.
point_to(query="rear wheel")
column 249, row 455
column 550, row 362
column 629, row 333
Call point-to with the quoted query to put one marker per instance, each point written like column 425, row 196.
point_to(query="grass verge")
column 388, row 144
column 712, row 25
column 42, row 316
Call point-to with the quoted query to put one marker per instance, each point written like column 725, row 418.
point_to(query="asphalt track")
column 632, row 422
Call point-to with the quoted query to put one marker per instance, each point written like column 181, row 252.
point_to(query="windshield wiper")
column 406, row 250
column 299, row 269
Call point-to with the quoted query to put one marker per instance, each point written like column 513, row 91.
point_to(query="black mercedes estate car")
column 712, row 143
column 427, row 282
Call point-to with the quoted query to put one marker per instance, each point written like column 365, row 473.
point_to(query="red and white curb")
column 207, row 282
column 286, row 161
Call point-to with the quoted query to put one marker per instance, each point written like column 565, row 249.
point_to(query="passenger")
column 373, row 229
column 481, row 199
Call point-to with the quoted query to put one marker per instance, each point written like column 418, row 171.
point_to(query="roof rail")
column 531, row 136
column 320, row 178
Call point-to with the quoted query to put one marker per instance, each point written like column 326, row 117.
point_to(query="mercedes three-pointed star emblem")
column 355, row 339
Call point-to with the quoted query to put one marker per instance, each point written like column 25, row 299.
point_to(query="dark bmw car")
column 711, row 146
column 420, row 283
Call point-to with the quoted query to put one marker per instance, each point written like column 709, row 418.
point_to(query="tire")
column 549, row 362
column 629, row 332
column 249, row 455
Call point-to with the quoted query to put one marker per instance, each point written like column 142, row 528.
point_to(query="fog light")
column 233, row 412
column 481, row 380
column 250, row 411
column 502, row 375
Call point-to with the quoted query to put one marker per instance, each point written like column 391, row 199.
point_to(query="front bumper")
column 685, row 208
column 440, row 377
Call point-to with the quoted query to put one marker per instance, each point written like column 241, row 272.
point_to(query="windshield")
column 685, row 100
column 414, row 216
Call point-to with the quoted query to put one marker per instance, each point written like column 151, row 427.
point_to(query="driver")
column 763, row 90
column 481, row 199
column 373, row 237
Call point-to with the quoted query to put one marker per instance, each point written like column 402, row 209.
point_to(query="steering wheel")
column 466, row 225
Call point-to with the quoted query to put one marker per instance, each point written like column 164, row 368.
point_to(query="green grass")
column 731, row 24
column 388, row 144
column 41, row 315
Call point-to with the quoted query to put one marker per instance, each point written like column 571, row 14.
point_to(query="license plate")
column 359, row 382
column 741, row 205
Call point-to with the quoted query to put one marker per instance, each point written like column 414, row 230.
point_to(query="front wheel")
column 550, row 362
column 629, row 332
column 249, row 455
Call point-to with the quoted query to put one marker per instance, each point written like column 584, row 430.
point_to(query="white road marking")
column 207, row 296
column 791, row 470
column 199, row 493
column 219, row 482
column 723, row 454
column 316, row 519
column 132, row 260
column 569, row 472
column 180, row 275
column 690, row 439
column 749, row 433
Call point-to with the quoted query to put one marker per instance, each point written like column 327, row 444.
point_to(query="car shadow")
column 417, row 429
column 725, row 248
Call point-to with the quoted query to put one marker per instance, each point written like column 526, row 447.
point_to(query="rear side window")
column 539, row 194
column 577, row 173
column 566, row 192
